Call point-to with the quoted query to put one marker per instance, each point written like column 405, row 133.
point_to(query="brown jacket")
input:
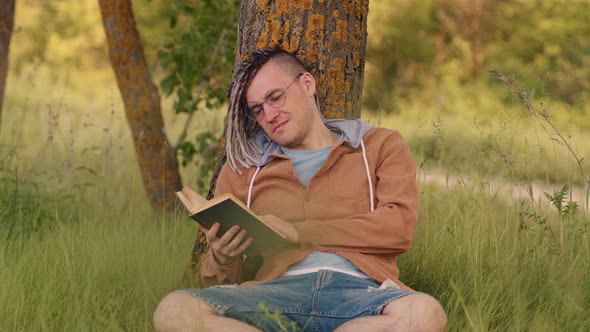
column 332, row 213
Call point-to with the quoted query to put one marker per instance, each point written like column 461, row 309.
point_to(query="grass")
column 107, row 270
column 80, row 251
column 493, row 272
column 90, row 272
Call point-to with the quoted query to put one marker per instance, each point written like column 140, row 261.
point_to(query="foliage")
column 69, row 34
column 491, row 274
column 197, row 60
column 418, row 48
column 495, row 263
column 558, row 198
column 197, row 56
column 23, row 209
column 107, row 262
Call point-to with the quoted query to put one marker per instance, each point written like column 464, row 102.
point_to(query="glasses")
column 275, row 99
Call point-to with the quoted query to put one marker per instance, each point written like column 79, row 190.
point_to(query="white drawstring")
column 249, row 202
column 368, row 175
column 371, row 194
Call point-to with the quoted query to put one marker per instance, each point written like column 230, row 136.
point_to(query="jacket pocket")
column 348, row 180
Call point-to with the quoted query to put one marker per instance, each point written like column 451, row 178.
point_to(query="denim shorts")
column 318, row 301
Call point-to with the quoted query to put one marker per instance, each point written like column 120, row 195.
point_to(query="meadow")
column 80, row 250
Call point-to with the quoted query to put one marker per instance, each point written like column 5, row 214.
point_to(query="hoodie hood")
column 352, row 131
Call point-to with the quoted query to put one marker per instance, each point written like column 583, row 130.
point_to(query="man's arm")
column 223, row 264
column 390, row 228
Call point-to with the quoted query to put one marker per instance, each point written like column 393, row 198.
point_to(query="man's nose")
column 270, row 113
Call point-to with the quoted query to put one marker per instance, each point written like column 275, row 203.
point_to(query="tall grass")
column 79, row 250
column 494, row 271
column 102, row 272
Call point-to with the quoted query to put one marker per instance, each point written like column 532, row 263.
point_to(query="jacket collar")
column 352, row 130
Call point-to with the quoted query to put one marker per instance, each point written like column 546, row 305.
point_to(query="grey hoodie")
column 353, row 131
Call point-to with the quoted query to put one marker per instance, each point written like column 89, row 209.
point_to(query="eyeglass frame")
column 283, row 94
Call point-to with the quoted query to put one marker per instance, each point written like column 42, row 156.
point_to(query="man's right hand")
column 228, row 247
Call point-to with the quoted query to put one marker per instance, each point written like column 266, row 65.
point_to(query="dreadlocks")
column 240, row 148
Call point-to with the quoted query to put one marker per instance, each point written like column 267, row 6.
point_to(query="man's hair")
column 240, row 148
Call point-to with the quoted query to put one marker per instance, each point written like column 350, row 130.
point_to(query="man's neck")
column 322, row 138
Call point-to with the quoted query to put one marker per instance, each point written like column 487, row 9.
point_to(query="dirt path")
column 507, row 190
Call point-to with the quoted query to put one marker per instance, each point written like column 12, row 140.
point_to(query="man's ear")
column 309, row 83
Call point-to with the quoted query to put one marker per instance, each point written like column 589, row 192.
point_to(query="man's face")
column 291, row 124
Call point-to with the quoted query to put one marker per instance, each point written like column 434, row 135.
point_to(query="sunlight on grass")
column 103, row 272
column 80, row 250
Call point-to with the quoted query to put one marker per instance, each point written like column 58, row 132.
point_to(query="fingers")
column 230, row 245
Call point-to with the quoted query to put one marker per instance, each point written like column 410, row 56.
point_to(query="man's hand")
column 285, row 228
column 228, row 247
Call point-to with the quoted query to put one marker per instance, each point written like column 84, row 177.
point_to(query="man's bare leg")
column 179, row 311
column 414, row 312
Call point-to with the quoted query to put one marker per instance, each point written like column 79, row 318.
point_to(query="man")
column 342, row 192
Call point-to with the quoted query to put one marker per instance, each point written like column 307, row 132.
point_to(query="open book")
column 227, row 210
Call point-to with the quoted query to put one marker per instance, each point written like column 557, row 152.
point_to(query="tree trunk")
column 6, row 26
column 328, row 36
column 156, row 157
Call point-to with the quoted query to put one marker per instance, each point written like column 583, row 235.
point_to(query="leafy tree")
column 69, row 34
column 197, row 58
column 401, row 50
column 416, row 46
column 547, row 44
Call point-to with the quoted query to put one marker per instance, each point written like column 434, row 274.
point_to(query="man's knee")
column 179, row 311
column 422, row 312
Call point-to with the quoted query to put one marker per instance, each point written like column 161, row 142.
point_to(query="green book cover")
column 228, row 211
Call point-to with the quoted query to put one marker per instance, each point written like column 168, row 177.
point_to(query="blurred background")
column 427, row 75
column 489, row 153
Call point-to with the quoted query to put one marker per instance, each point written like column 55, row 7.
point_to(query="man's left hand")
column 286, row 228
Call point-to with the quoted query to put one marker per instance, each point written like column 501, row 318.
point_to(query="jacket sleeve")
column 212, row 273
column 390, row 228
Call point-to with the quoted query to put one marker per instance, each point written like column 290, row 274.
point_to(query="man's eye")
column 256, row 110
column 275, row 97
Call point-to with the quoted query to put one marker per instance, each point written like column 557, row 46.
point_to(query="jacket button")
column 307, row 199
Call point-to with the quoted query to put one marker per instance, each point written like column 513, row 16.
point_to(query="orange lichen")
column 262, row 40
column 286, row 32
column 314, row 35
column 276, row 32
column 335, row 13
column 316, row 21
column 287, row 27
column 282, row 6
column 357, row 32
column 348, row 6
column 362, row 9
column 264, row 5
column 356, row 59
column 297, row 3
column 341, row 30
column 336, row 85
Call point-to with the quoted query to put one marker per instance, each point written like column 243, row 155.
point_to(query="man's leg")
column 179, row 311
column 414, row 312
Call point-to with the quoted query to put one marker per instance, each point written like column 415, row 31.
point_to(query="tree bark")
column 6, row 27
column 156, row 157
column 330, row 38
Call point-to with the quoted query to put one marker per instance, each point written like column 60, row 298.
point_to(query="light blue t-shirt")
column 306, row 163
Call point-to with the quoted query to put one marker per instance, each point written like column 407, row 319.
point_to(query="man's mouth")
column 279, row 125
